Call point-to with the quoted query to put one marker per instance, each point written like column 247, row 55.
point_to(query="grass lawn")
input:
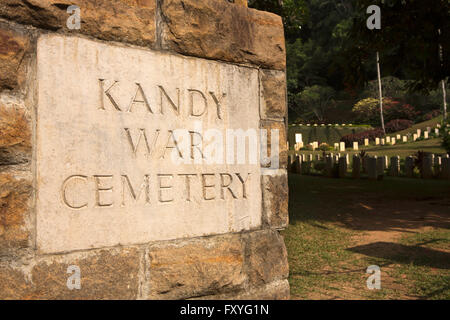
column 422, row 125
column 339, row 227
column 400, row 149
column 406, row 149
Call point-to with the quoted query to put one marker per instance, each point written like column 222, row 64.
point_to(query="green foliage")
column 293, row 12
column 329, row 45
column 317, row 99
column 408, row 41
column 366, row 110
column 325, row 147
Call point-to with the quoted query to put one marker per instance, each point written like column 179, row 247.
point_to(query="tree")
column 317, row 99
column 408, row 41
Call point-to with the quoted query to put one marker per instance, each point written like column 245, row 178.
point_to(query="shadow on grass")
column 399, row 253
column 394, row 204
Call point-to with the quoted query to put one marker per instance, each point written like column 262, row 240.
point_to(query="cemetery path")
column 339, row 227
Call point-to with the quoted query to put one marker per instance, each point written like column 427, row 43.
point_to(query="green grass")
column 328, row 134
column 422, row 125
column 400, row 149
column 326, row 220
column 406, row 149
column 332, row 134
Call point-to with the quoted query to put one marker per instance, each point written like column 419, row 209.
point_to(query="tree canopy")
column 329, row 45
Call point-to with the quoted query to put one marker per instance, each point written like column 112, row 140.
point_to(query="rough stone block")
column 266, row 257
column 107, row 274
column 275, row 200
column 13, row 48
column 273, row 94
column 241, row 2
column 223, row 31
column 277, row 290
column 15, row 200
column 196, row 268
column 15, row 135
column 14, row 284
column 131, row 21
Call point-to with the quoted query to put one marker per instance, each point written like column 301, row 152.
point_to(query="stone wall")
column 248, row 263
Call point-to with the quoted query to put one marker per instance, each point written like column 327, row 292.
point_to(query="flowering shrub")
column 366, row 110
column 360, row 136
column 325, row 147
column 393, row 109
column 398, row 125
column 430, row 115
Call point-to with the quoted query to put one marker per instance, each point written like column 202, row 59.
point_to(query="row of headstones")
column 374, row 167
column 378, row 141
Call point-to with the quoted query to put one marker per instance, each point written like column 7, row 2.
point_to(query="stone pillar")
column 372, row 168
column 415, row 137
column 425, row 134
column 355, row 145
column 329, row 166
column 409, row 167
column 377, row 141
column 342, row 167
column 85, row 114
column 356, row 167
column 298, row 165
column 385, row 162
column 364, row 163
column 366, row 142
column 404, row 139
column 383, row 141
column 393, row 141
column 427, row 165
column 437, row 166
column 394, row 169
column 388, row 139
column 380, row 168
column 342, row 146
